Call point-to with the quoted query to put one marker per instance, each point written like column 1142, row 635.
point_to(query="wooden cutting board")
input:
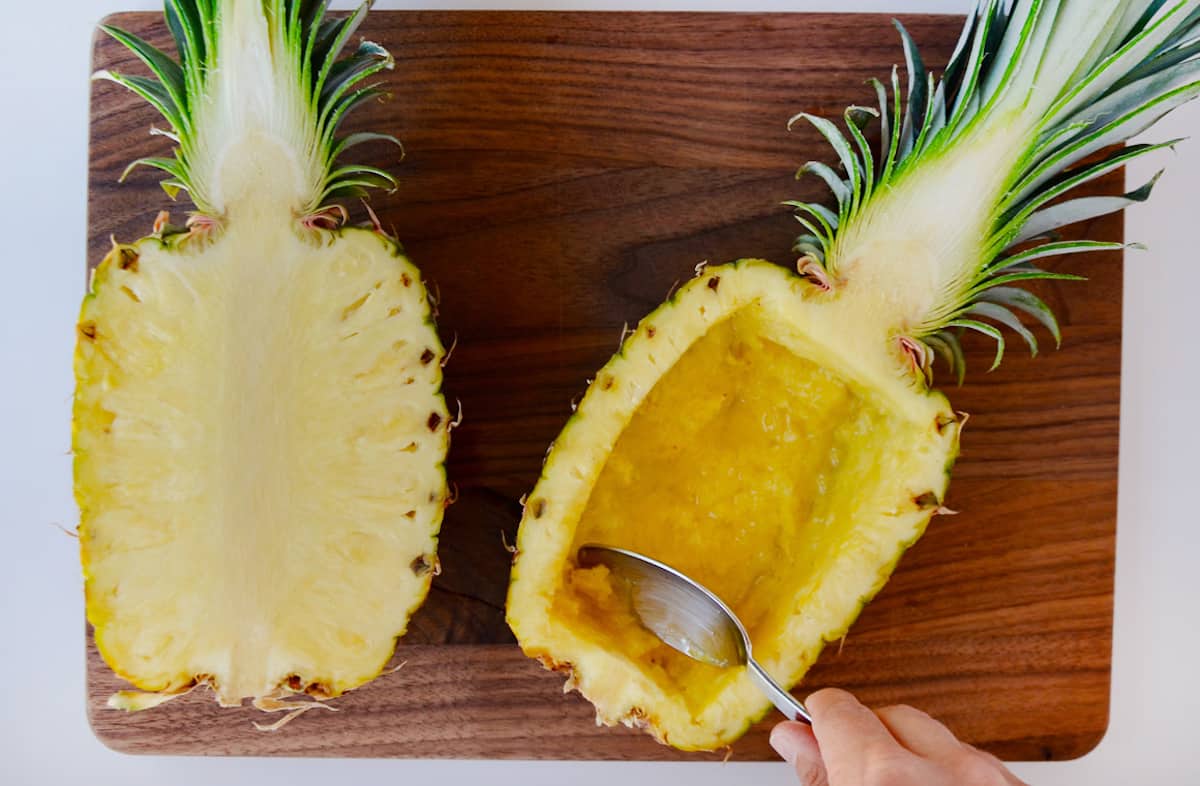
column 564, row 171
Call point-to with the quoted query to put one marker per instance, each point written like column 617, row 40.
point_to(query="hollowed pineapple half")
column 259, row 431
column 774, row 434
column 767, row 458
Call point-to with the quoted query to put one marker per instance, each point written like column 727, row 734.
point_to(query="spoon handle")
column 783, row 701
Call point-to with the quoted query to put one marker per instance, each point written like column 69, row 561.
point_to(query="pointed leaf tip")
column 1007, row 318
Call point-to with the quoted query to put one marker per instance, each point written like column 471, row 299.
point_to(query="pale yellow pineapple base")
column 724, row 442
column 259, row 438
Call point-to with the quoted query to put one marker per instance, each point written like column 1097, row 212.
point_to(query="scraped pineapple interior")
column 746, row 467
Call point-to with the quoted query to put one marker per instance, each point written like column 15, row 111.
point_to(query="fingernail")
column 785, row 743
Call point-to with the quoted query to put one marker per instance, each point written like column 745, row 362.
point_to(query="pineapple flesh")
column 258, row 425
column 775, row 434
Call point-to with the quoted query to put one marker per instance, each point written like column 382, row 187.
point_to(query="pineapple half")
column 259, row 432
column 774, row 434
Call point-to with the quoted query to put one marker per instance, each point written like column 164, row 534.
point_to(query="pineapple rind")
column 330, row 673
column 617, row 685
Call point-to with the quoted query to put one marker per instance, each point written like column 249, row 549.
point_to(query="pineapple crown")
column 272, row 66
column 1078, row 77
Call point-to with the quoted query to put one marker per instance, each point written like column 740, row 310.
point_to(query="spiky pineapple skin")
column 112, row 291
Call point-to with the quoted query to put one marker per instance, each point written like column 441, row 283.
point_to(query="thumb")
column 796, row 744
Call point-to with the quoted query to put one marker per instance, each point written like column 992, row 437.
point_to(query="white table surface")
column 44, row 736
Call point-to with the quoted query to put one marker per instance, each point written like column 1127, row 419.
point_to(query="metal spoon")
column 689, row 618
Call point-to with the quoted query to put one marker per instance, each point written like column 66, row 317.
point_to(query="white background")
column 44, row 737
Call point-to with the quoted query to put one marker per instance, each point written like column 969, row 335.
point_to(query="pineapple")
column 775, row 433
column 259, row 432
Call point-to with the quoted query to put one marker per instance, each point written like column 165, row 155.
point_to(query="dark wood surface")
column 564, row 170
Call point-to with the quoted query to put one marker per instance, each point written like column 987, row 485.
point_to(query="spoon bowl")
column 688, row 617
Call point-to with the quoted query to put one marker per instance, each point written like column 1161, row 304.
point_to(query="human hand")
column 849, row 745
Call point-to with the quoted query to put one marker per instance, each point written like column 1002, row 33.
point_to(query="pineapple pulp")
column 744, row 444
column 782, row 481
column 257, row 467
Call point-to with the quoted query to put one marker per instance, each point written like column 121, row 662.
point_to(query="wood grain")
column 564, row 170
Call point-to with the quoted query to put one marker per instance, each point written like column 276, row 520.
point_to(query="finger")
column 793, row 740
column 920, row 733
column 1000, row 766
column 797, row 745
column 847, row 732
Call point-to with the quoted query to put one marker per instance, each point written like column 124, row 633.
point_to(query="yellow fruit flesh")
column 256, row 466
column 723, row 474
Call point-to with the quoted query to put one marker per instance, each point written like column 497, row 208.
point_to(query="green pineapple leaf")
column 306, row 48
column 1050, row 85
